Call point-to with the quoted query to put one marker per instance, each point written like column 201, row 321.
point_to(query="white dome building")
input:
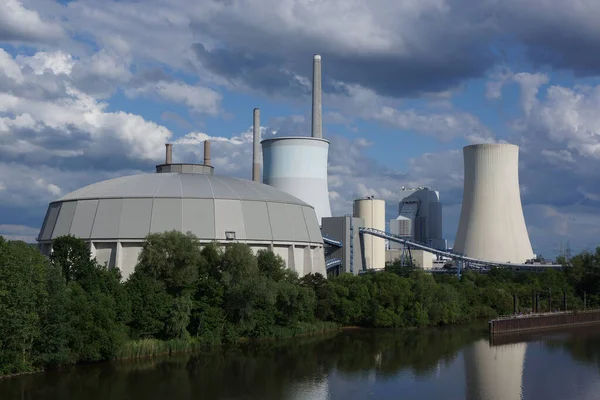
column 115, row 216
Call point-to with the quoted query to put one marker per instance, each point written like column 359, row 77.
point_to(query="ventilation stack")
column 256, row 146
column 317, row 107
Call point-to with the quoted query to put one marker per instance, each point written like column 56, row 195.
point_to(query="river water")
column 452, row 363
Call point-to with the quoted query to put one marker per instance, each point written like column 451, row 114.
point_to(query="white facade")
column 419, row 218
column 492, row 226
column 372, row 212
column 298, row 166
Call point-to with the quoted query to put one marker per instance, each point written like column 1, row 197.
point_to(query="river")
column 450, row 363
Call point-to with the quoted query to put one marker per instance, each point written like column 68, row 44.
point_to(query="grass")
column 135, row 349
column 153, row 347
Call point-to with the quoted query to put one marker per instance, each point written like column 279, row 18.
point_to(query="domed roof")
column 211, row 207
column 183, row 186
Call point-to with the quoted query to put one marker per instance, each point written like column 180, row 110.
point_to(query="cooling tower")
column 494, row 373
column 298, row 166
column 492, row 226
column 372, row 211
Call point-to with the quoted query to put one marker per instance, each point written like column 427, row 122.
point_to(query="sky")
column 92, row 89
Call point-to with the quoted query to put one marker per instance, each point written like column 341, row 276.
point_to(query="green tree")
column 22, row 295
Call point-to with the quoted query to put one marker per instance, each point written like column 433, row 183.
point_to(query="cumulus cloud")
column 21, row 24
column 442, row 126
column 45, row 118
column 196, row 98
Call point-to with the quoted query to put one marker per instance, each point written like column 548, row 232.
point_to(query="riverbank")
column 144, row 348
column 148, row 348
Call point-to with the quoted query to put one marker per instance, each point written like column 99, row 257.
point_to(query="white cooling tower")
column 492, row 226
column 372, row 211
column 298, row 166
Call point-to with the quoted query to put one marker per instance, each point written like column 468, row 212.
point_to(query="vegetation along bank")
column 68, row 309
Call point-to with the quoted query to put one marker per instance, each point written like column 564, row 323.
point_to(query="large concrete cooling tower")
column 492, row 226
column 298, row 166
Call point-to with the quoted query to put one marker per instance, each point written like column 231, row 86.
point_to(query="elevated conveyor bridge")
column 455, row 256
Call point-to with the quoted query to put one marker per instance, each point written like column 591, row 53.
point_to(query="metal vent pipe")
column 207, row 152
column 256, row 146
column 169, row 153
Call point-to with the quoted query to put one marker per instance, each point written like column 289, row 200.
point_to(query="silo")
column 372, row 211
column 492, row 226
column 298, row 166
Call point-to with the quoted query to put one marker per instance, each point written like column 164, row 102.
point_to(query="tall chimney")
column 207, row 152
column 169, row 155
column 256, row 146
column 317, row 117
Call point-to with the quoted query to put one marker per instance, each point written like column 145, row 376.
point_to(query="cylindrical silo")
column 372, row 211
column 298, row 166
column 492, row 226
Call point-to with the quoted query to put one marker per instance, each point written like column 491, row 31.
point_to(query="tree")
column 73, row 256
column 172, row 258
column 22, row 295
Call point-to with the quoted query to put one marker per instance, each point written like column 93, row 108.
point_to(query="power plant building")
column 372, row 212
column 419, row 218
column 492, row 226
column 344, row 229
column 116, row 215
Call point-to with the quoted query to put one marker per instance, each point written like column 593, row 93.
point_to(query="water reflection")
column 494, row 372
column 457, row 363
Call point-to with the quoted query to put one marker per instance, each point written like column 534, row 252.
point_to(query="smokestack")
column 207, row 152
column 317, row 117
column 169, row 155
column 256, row 148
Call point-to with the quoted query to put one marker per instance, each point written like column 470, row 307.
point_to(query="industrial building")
column 345, row 230
column 419, row 218
column 492, row 226
column 114, row 216
column 298, row 165
column 372, row 212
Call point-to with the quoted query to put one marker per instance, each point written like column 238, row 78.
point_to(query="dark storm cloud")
column 387, row 75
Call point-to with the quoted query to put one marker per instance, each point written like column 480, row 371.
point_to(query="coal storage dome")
column 115, row 216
